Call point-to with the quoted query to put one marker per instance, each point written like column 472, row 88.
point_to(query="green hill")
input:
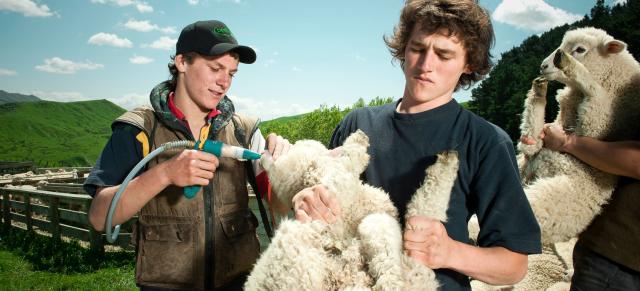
column 55, row 133
column 6, row 97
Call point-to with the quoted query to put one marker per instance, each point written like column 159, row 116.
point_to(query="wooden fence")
column 64, row 213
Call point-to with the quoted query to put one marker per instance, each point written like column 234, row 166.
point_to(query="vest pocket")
column 241, row 247
column 167, row 253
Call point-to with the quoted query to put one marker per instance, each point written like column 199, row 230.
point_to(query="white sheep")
column 363, row 249
column 601, row 99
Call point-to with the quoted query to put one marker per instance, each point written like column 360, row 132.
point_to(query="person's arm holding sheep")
column 619, row 157
column 430, row 245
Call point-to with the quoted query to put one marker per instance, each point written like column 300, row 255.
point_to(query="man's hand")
column 316, row 203
column 277, row 145
column 527, row 140
column 191, row 167
column 426, row 240
column 554, row 137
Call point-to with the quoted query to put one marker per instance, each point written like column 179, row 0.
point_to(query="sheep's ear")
column 614, row 46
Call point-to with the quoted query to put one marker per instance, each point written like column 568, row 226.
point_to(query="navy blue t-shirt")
column 488, row 184
column 118, row 157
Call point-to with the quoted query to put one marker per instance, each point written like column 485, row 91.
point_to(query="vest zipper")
column 209, row 240
column 209, row 254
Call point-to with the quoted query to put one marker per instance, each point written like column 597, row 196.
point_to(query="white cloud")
column 26, row 7
column 120, row 3
column 534, row 15
column 296, row 69
column 266, row 110
column 102, row 38
column 193, row 2
column 168, row 29
column 146, row 26
column 143, row 7
column 57, row 65
column 6, row 72
column 620, row 2
column 359, row 58
column 140, row 60
column 59, row 96
column 163, row 43
column 131, row 100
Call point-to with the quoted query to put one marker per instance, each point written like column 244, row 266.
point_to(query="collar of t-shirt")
column 180, row 116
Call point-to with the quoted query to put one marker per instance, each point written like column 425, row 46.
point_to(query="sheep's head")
column 592, row 47
column 308, row 163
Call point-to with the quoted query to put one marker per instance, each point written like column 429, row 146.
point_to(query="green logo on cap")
column 224, row 31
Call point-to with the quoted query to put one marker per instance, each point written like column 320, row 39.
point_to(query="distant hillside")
column 55, row 133
column 6, row 97
column 500, row 97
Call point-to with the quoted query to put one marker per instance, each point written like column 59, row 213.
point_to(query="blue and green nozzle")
column 220, row 149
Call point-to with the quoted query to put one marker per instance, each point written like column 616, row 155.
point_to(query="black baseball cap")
column 211, row 38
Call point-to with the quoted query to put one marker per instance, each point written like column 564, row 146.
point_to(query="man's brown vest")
column 171, row 235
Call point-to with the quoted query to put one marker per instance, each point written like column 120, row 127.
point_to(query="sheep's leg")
column 564, row 206
column 533, row 116
column 381, row 238
column 432, row 198
column 594, row 111
column 295, row 260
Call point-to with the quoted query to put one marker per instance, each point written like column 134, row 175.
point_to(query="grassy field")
column 17, row 274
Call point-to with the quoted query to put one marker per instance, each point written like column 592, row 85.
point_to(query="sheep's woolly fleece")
column 363, row 249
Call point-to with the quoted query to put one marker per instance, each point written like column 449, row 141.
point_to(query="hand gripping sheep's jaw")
column 363, row 250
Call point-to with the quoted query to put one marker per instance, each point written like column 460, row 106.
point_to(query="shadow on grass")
column 47, row 254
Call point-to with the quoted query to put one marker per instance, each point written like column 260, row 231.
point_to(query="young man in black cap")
column 209, row 241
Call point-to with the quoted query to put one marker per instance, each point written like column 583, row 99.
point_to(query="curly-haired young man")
column 443, row 45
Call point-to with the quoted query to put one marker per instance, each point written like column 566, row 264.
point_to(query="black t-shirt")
column 488, row 184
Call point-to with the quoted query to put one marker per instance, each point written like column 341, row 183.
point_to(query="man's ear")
column 467, row 69
column 181, row 62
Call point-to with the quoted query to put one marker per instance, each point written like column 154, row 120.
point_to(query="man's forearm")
column 619, row 158
column 139, row 191
column 494, row 265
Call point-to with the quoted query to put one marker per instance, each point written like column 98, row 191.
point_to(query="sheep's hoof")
column 561, row 60
column 540, row 87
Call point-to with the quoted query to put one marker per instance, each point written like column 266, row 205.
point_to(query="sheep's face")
column 308, row 162
column 590, row 46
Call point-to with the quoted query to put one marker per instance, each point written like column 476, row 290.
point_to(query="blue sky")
column 309, row 52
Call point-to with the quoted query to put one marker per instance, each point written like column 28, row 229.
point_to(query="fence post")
column 95, row 238
column 6, row 210
column 54, row 218
column 27, row 211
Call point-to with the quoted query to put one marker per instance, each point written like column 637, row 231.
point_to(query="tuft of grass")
column 34, row 262
column 16, row 273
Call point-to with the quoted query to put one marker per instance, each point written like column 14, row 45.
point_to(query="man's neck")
column 410, row 105
column 194, row 115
